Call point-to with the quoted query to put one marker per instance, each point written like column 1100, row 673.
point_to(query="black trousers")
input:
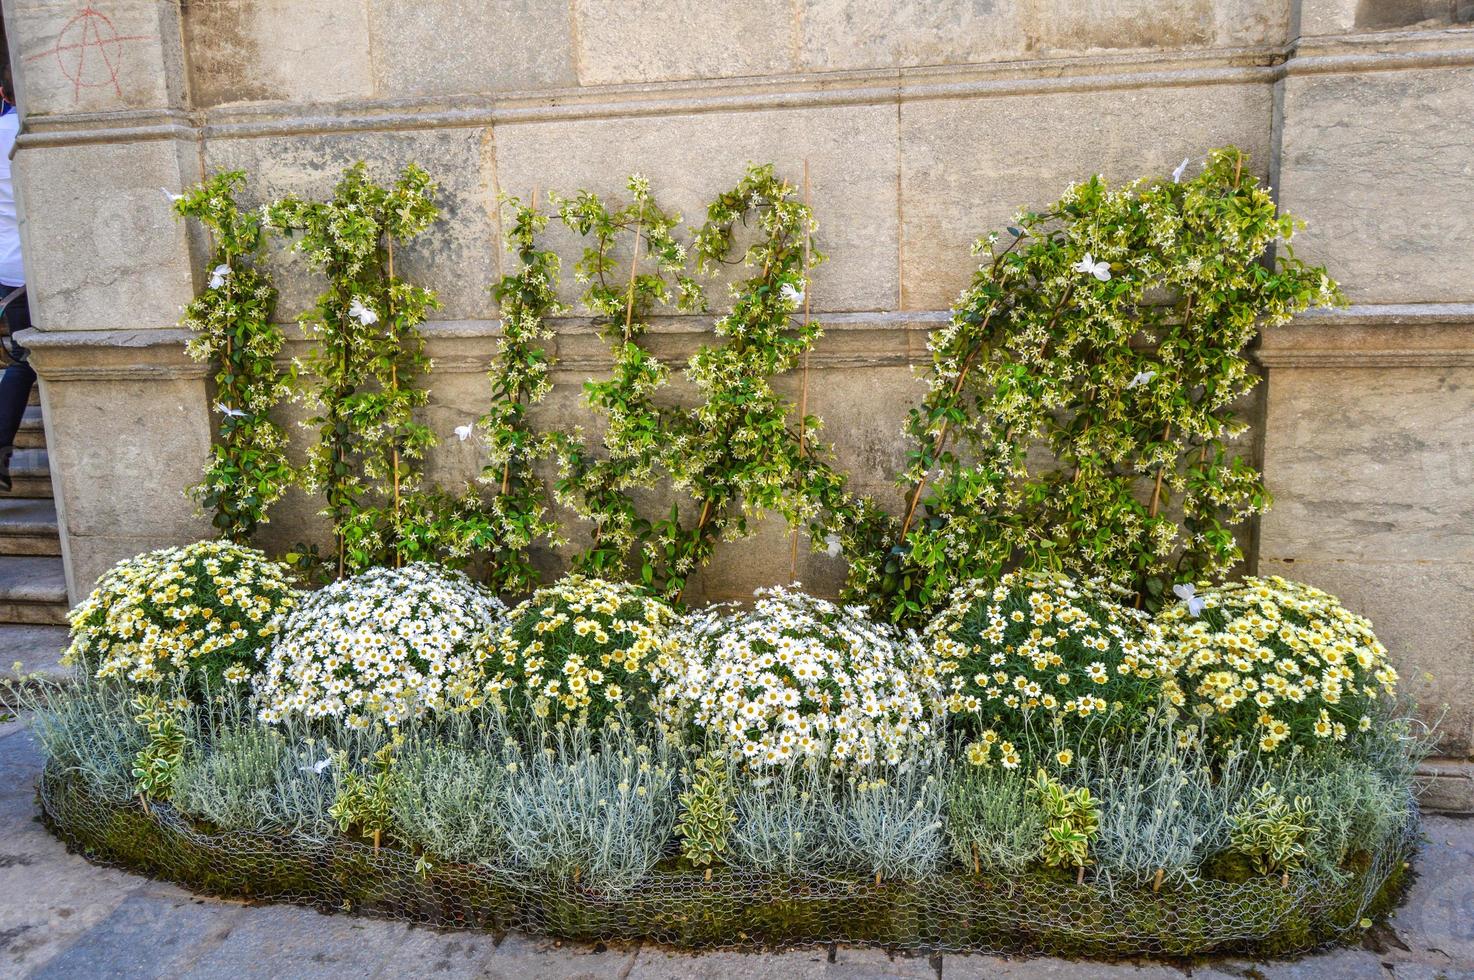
column 19, row 377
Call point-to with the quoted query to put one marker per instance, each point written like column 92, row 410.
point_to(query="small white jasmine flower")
column 1188, row 593
column 362, row 313
column 1100, row 270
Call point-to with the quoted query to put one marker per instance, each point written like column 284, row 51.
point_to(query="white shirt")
column 12, row 273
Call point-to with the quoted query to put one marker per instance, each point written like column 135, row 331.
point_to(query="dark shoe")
column 5, row 452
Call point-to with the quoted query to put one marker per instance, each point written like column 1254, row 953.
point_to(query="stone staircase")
column 33, row 589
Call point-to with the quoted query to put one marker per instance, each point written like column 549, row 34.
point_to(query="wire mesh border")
column 738, row 909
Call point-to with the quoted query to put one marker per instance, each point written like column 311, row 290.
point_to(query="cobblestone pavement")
column 62, row 917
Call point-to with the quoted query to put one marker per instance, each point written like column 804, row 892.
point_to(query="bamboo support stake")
column 393, row 384
column 1157, row 881
column 1080, row 875
column 803, row 397
column 629, row 306
column 507, row 466
column 378, row 837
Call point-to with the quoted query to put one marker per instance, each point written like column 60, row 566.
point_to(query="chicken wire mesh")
column 730, row 908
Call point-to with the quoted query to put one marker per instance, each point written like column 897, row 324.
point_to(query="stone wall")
column 925, row 124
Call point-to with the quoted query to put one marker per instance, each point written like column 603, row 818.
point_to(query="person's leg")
column 15, row 387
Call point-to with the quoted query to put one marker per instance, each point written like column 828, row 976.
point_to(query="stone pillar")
column 108, row 268
column 1369, row 439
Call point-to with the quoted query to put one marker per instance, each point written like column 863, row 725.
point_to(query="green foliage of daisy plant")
column 1039, row 653
column 582, row 649
column 1279, row 661
column 201, row 614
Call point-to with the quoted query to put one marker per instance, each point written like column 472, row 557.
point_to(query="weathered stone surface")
column 968, row 165
column 1369, row 468
column 1344, row 16
column 131, row 429
column 102, row 246
column 1446, row 786
column 689, row 159
column 1371, row 464
column 632, row 42
column 84, row 58
column 253, row 50
column 457, row 256
column 474, row 46
column 1371, row 161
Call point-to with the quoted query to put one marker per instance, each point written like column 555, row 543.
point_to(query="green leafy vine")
column 1083, row 397
column 369, row 455
column 233, row 330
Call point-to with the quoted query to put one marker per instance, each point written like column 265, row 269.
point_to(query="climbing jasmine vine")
column 233, row 330
column 368, row 353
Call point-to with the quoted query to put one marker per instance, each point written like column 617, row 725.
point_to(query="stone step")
column 28, row 527
column 32, row 434
column 33, row 590
column 38, row 650
column 30, row 474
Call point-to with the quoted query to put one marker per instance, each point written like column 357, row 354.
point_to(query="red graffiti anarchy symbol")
column 89, row 51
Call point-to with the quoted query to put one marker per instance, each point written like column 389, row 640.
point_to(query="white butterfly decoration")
column 218, row 275
column 792, row 293
column 319, row 766
column 1179, row 171
column 362, row 313
column 173, row 198
column 225, row 409
column 1100, row 270
column 1189, row 594
column 1142, row 379
column 831, row 545
column 463, row 432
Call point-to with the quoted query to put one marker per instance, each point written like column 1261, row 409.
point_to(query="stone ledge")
column 1448, row 785
column 111, row 355
column 1374, row 335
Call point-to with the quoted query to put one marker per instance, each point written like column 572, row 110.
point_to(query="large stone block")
column 620, row 41
column 1371, row 464
column 124, row 441
column 969, row 165
column 692, row 158
column 290, row 50
column 1373, row 502
column 471, row 46
column 80, row 58
column 1373, row 161
column 457, row 257
column 102, row 245
column 1346, row 16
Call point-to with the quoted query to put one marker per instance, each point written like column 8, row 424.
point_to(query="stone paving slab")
column 61, row 917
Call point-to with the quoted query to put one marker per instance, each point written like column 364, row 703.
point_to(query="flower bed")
column 949, row 912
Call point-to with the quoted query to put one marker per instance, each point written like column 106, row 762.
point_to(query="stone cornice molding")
column 1383, row 51
column 111, row 355
column 1421, row 335
column 1365, row 336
